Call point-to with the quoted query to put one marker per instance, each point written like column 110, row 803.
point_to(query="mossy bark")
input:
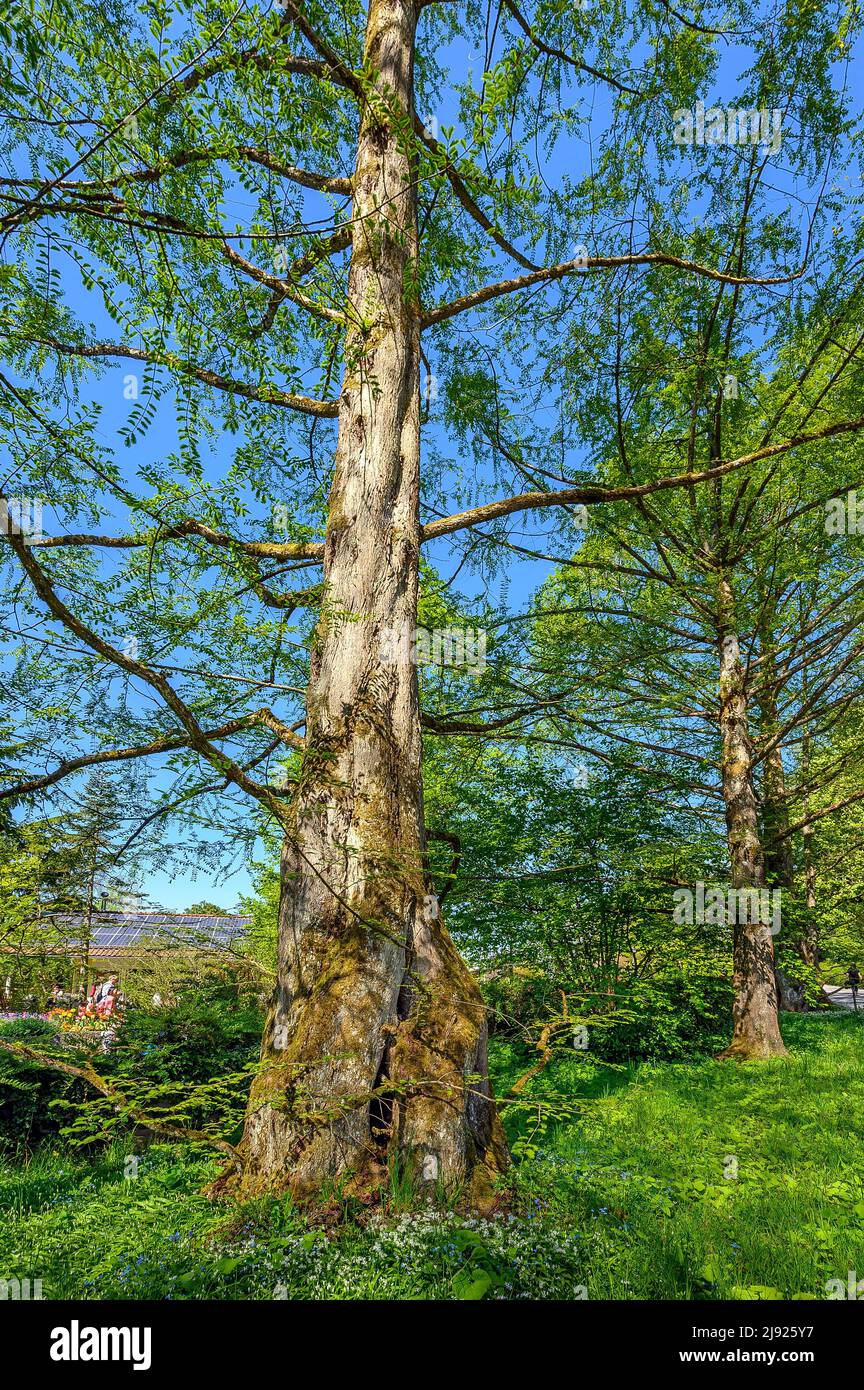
column 374, row 1051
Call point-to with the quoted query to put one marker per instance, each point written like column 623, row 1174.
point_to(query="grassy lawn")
column 677, row 1180
column 716, row 1180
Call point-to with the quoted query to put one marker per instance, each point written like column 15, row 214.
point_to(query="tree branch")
column 321, row 183
column 270, row 550
column 91, row 1076
column 557, row 272
column 271, row 395
column 465, row 197
column 196, row 735
column 169, row 743
column 566, row 57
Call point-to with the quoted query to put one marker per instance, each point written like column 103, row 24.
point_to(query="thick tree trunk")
column 779, row 867
column 755, row 1026
column 374, row 1051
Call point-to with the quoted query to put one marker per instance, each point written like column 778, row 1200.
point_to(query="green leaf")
column 472, row 1285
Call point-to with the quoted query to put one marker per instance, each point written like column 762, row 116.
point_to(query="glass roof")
column 126, row 930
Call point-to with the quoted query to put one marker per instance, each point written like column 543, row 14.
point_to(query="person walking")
column 106, row 997
column 853, row 981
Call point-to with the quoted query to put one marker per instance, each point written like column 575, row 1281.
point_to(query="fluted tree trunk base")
column 384, row 1078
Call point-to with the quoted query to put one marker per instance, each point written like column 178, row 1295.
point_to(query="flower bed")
column 71, row 1021
column 72, row 1031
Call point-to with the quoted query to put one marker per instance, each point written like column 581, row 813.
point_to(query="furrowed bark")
column 755, row 1026
column 374, row 1051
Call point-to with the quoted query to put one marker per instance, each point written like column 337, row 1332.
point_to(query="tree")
column 722, row 627
column 375, row 1043
column 58, row 873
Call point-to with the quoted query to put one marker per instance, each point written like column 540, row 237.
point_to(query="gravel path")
column 842, row 997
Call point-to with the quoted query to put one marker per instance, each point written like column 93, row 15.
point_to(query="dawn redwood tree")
column 129, row 169
column 661, row 372
column 721, row 631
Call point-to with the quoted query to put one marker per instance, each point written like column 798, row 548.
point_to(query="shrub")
column 216, row 1029
column 191, row 1061
column 31, row 1096
column 680, row 1015
column 681, row 1012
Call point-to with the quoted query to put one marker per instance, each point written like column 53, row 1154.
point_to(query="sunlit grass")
column 711, row 1178
column 671, row 1181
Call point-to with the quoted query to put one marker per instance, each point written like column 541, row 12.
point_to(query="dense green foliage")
column 672, row 698
column 32, row 1096
column 187, row 1065
column 215, row 1028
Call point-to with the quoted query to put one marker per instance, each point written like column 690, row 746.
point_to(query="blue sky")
column 177, row 886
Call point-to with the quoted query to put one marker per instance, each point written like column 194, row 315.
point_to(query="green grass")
column 717, row 1179
column 675, row 1180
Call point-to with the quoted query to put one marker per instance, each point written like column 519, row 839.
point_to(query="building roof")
column 116, row 933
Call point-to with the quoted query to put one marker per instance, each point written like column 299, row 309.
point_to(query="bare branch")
column 579, row 263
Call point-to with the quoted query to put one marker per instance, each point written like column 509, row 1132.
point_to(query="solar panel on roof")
column 125, row 930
